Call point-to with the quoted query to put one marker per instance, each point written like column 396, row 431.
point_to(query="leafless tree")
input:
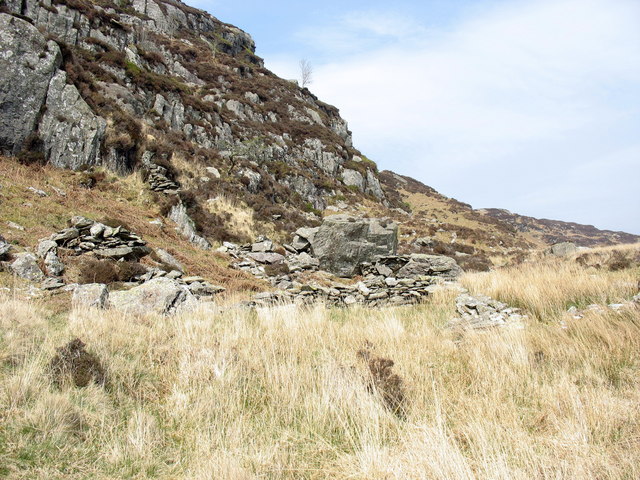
column 306, row 73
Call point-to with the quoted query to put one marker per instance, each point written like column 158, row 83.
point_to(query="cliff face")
column 155, row 83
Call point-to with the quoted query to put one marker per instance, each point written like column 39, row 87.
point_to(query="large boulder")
column 343, row 242
column 92, row 295
column 28, row 62
column 160, row 295
column 562, row 249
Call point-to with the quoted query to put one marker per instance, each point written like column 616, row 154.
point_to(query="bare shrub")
column 384, row 381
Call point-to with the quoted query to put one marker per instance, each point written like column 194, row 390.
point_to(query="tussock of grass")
column 282, row 393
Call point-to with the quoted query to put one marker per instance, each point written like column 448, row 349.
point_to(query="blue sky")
column 533, row 106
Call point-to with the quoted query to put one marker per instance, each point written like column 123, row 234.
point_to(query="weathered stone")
column 4, row 247
column 302, row 261
column 563, row 249
column 187, row 227
column 97, row 229
column 262, row 246
column 127, row 253
column 52, row 264
column 65, row 235
column 343, row 242
column 160, row 295
column 26, row 266
column 480, row 312
column 430, row 265
column 266, row 258
column 27, row 63
column 169, row 260
column 45, row 246
column 52, row 283
column 92, row 295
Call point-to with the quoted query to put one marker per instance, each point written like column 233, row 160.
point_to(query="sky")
column 528, row 105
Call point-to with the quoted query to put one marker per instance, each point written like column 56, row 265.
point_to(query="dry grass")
column 282, row 393
column 547, row 289
column 125, row 199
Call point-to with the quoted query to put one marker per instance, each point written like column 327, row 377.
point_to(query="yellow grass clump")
column 283, row 393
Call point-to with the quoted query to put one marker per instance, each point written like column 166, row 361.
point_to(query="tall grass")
column 547, row 289
column 282, row 393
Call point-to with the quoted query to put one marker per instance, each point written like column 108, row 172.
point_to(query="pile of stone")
column 480, row 311
column 345, row 246
column 159, row 180
column 86, row 236
column 370, row 293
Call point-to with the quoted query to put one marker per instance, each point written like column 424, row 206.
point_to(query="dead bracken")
column 384, row 381
column 72, row 363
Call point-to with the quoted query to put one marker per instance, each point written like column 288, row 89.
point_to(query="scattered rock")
column 73, row 363
column 15, row 226
column 26, row 266
column 40, row 193
column 91, row 295
column 480, row 311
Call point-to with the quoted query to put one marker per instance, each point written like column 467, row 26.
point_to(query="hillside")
column 170, row 92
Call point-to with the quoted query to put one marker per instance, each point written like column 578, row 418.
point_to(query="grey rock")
column 15, row 226
column 430, row 265
column 52, row 264
column 562, row 249
column 160, row 295
column 26, row 266
column 187, row 227
column 91, row 295
column 62, row 237
column 169, row 260
column 45, row 246
column 263, row 246
column 97, row 229
column 127, row 253
column 4, row 248
column 52, row 283
column 480, row 312
column 343, row 242
column 81, row 222
column 266, row 257
column 40, row 193
column 27, row 63
column 353, row 178
column 302, row 261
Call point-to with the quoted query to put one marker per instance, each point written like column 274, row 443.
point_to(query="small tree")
column 306, row 73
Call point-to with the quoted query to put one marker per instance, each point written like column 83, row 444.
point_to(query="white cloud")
column 516, row 89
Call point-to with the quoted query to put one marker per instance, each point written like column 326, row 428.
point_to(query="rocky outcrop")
column 28, row 62
column 39, row 111
column 186, row 226
column 343, row 242
column 71, row 133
